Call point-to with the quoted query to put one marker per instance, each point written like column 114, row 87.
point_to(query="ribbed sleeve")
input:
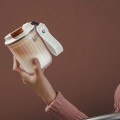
column 117, row 99
column 64, row 109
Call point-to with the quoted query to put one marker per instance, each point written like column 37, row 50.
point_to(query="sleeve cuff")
column 64, row 109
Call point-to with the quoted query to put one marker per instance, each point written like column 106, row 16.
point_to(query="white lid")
column 18, row 33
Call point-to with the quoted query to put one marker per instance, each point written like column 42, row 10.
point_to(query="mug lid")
column 18, row 33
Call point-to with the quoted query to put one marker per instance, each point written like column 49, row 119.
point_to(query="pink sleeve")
column 117, row 100
column 64, row 109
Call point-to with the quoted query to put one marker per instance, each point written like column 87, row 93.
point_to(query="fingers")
column 15, row 64
column 43, row 70
column 37, row 67
column 17, row 68
column 24, row 75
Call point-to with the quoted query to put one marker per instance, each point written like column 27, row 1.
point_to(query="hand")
column 36, row 80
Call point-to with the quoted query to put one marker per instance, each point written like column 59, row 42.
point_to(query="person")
column 56, row 103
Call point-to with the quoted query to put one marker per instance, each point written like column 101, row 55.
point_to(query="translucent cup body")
column 29, row 47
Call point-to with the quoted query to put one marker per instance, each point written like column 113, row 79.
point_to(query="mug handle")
column 53, row 45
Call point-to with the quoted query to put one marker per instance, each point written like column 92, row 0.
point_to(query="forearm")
column 64, row 109
column 56, row 103
column 45, row 91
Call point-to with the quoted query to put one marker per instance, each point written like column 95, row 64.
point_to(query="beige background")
column 87, row 72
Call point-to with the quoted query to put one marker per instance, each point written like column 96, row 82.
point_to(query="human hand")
column 36, row 80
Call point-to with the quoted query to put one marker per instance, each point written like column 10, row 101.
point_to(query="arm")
column 64, row 109
column 117, row 99
column 56, row 103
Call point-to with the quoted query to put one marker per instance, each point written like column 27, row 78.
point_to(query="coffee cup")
column 33, row 40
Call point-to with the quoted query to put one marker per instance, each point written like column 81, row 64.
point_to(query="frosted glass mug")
column 33, row 41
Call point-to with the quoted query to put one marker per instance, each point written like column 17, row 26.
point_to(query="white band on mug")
column 53, row 45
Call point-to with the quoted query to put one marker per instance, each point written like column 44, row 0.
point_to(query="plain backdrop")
column 87, row 72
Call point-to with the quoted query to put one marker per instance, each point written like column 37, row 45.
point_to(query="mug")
column 33, row 40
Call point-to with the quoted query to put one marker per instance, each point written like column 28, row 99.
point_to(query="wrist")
column 45, row 91
column 49, row 98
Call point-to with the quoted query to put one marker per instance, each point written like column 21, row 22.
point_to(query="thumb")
column 37, row 66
